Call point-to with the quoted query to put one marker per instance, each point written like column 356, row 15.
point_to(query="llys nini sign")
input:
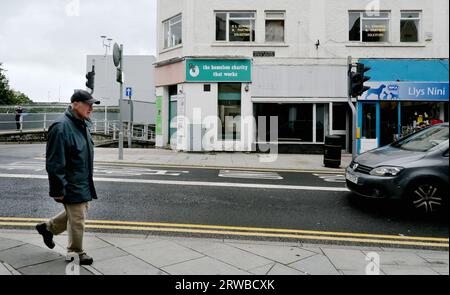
column 407, row 91
column 214, row 70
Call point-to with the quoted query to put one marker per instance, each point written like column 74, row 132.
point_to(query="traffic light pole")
column 352, row 107
column 120, row 107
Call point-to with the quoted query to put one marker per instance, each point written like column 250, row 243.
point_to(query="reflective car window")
column 425, row 140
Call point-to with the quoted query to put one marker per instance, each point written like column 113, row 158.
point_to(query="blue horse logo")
column 375, row 91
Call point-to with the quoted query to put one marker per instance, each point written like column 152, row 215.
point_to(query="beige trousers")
column 71, row 219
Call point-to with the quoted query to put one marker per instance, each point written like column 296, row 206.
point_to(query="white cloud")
column 43, row 48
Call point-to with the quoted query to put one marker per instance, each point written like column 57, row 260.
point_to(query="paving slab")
column 282, row 270
column 262, row 270
column 126, row 265
column 26, row 255
column 204, row 266
column 124, row 241
column 441, row 270
column 162, row 253
column 106, row 253
column 4, row 271
column 281, row 254
column 407, row 270
column 434, row 256
column 55, row 267
column 315, row 265
column 400, row 258
column 344, row 259
column 7, row 243
column 228, row 254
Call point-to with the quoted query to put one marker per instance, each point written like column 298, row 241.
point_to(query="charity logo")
column 194, row 71
column 384, row 92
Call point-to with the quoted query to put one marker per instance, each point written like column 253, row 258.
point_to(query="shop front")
column 205, row 111
column 306, row 109
column 404, row 96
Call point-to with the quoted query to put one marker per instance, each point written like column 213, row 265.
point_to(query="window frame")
column 227, row 25
column 266, row 18
column 419, row 29
column 171, row 22
column 362, row 18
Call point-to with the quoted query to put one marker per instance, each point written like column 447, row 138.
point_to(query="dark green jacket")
column 70, row 159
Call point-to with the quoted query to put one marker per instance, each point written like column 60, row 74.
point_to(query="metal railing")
column 107, row 127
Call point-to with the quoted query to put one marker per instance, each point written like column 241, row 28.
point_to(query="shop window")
column 235, row 26
column 339, row 116
column 275, row 26
column 173, row 32
column 207, row 87
column 415, row 115
column 295, row 121
column 230, row 111
column 321, row 122
column 409, row 26
column 369, row 26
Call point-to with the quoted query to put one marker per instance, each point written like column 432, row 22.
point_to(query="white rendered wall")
column 306, row 22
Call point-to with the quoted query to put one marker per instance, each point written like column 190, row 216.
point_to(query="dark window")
column 355, row 26
column 320, row 122
column 295, row 121
column 369, row 27
column 339, row 116
column 221, row 26
column 409, row 27
column 207, row 87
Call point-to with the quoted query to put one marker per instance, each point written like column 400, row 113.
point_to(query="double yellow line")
column 246, row 232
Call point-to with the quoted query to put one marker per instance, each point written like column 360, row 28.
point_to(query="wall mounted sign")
column 406, row 91
column 263, row 53
column 218, row 70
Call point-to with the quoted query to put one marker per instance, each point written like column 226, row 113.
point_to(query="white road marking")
column 193, row 183
column 249, row 174
column 339, row 178
column 99, row 170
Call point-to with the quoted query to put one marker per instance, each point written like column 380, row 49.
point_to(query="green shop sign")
column 218, row 70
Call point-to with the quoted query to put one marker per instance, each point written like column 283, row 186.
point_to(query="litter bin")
column 332, row 151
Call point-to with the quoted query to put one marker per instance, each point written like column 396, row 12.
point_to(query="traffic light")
column 90, row 76
column 357, row 80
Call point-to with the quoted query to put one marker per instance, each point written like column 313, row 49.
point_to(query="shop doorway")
column 388, row 122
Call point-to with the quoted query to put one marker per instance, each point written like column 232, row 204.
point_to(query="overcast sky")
column 44, row 43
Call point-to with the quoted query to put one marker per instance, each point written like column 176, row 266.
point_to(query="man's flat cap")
column 84, row 96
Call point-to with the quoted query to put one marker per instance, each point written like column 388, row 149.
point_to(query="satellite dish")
column 117, row 55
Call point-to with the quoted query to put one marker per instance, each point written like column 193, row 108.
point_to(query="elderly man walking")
column 69, row 163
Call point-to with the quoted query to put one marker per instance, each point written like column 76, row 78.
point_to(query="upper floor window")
column 275, row 26
column 369, row 26
column 409, row 26
column 173, row 32
column 235, row 26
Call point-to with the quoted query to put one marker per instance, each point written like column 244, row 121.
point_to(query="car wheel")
column 427, row 197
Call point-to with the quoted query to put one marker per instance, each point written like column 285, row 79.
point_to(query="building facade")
column 224, row 68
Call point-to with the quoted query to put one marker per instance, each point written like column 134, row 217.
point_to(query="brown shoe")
column 85, row 259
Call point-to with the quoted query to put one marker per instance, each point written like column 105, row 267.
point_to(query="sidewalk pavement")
column 288, row 162
column 23, row 253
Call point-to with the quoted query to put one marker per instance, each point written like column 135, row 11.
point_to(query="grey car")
column 414, row 169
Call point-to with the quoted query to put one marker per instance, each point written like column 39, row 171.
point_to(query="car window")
column 424, row 140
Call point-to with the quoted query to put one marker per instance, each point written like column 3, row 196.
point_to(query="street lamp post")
column 107, row 46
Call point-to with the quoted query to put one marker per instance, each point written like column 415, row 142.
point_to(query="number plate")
column 352, row 178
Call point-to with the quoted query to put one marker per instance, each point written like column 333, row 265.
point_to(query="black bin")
column 332, row 151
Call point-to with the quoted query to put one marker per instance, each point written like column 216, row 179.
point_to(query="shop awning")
column 408, row 70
